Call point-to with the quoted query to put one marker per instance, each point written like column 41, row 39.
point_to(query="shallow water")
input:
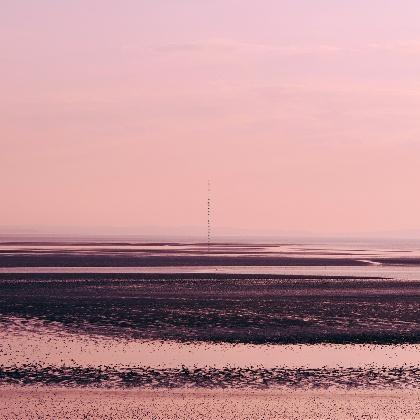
column 34, row 352
column 403, row 273
column 40, row 343
column 356, row 250
column 216, row 256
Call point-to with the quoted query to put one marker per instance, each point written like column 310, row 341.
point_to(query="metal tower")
column 208, row 216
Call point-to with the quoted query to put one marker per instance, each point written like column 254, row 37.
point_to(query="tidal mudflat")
column 91, row 403
column 336, row 338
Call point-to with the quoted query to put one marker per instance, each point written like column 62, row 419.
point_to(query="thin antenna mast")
column 208, row 217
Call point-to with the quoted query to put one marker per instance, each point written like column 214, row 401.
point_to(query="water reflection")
column 37, row 352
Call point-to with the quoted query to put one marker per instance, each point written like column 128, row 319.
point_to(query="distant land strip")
column 58, row 259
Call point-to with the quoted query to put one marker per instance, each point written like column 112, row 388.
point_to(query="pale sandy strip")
column 46, row 403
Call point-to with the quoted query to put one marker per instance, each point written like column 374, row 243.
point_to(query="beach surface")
column 176, row 331
column 61, row 403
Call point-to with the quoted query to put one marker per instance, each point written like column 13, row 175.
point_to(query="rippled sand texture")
column 38, row 352
column 24, row 403
column 220, row 307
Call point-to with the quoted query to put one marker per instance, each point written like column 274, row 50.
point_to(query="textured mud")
column 220, row 307
column 258, row 378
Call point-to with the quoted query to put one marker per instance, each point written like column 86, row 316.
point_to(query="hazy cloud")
column 223, row 45
column 232, row 46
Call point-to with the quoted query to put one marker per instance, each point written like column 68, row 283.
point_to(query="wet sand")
column 59, row 403
column 134, row 254
column 238, row 331
column 64, row 259
column 232, row 308
column 42, row 353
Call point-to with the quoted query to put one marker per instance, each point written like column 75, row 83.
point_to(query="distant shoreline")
column 62, row 259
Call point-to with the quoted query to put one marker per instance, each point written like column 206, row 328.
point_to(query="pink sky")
column 304, row 114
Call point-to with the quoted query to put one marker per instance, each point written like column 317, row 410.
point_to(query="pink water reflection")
column 38, row 343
